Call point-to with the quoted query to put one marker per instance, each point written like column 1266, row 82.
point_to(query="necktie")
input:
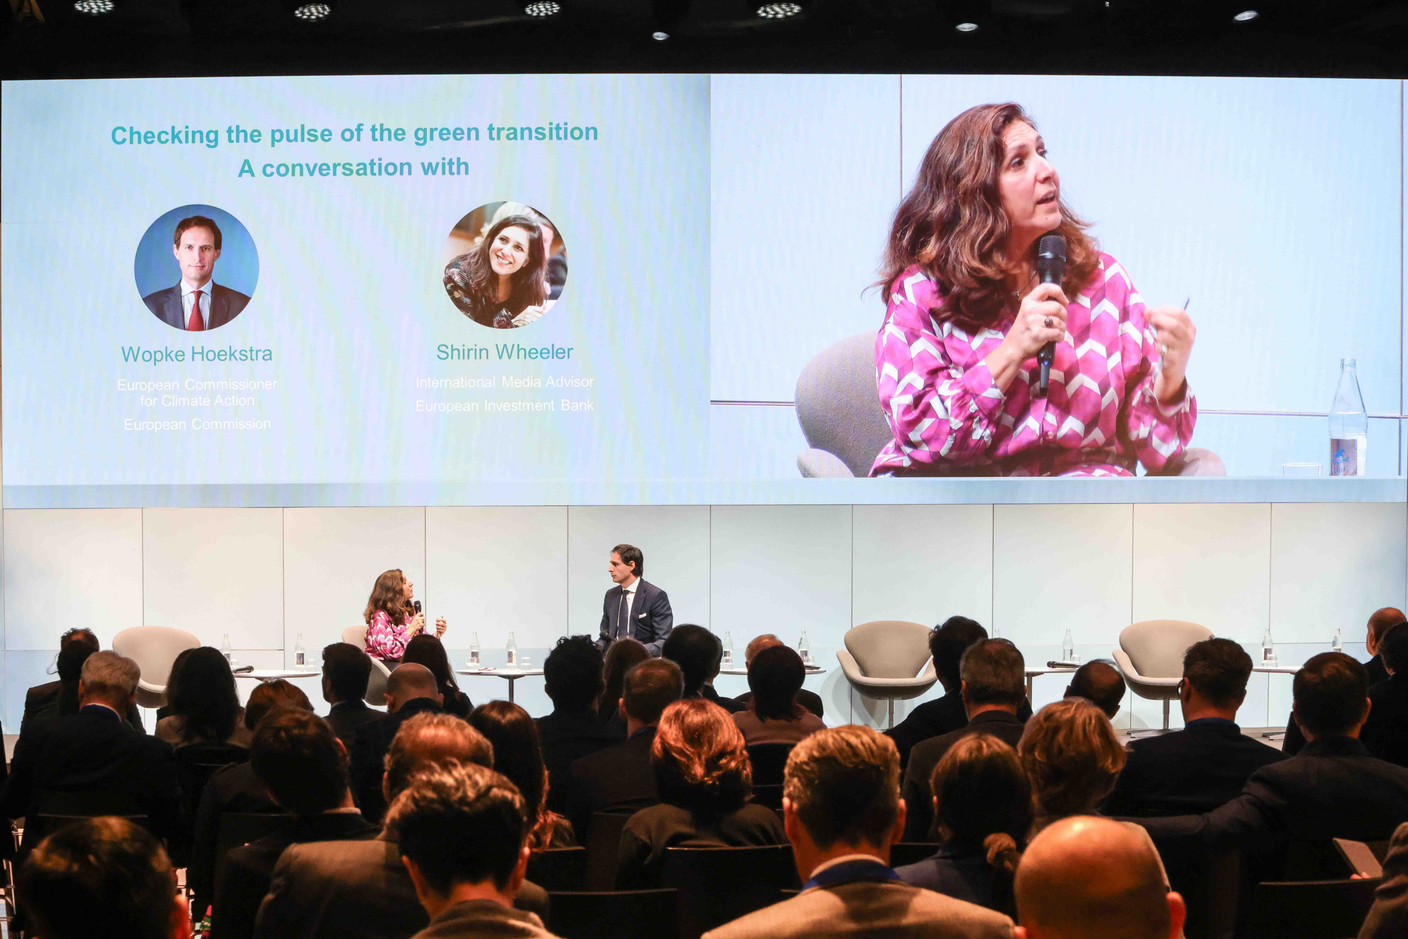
column 196, row 324
column 621, row 623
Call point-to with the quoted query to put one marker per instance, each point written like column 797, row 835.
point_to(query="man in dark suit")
column 1388, row 917
column 1386, row 731
column 993, row 686
column 842, row 812
column 410, row 690
column 572, row 677
column 621, row 778
column 196, row 303
column 95, row 758
column 1100, row 683
column 1380, row 623
column 1207, row 763
column 698, row 653
column 295, row 754
column 633, row 607
column 55, row 699
column 360, row 889
column 346, row 672
column 807, row 699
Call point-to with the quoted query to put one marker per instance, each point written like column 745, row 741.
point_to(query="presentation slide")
column 695, row 289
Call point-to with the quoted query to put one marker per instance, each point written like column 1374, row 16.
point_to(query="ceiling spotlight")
column 778, row 11
column 1246, row 16
column 659, row 35
column 312, row 12
column 94, row 7
column 967, row 27
column 542, row 8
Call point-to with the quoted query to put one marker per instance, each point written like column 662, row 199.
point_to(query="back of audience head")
column 699, row 759
column 983, row 801
column 302, row 763
column 271, row 696
column 621, row 657
column 1072, row 757
column 696, row 651
column 409, row 682
column 518, row 756
column 572, row 674
column 758, row 644
column 1394, row 649
column 74, row 648
column 993, row 674
column 775, row 675
column 173, row 681
column 1380, row 622
column 842, row 790
column 431, row 739
column 429, row 651
column 346, row 672
column 947, row 643
column 457, row 825
column 1215, row 673
column 205, row 697
column 102, row 878
column 1093, row 878
column 1330, row 694
column 110, row 679
column 1100, row 683
column 649, row 687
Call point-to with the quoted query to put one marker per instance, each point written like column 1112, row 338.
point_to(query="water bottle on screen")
column 1349, row 425
column 1337, row 643
column 225, row 648
column 1268, row 650
column 804, row 649
column 728, row 651
column 512, row 648
column 300, row 654
column 1068, row 648
column 474, row 648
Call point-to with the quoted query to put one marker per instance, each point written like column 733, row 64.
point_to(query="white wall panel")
column 333, row 556
column 1209, row 564
column 71, row 567
column 1334, row 565
column 215, row 571
column 923, row 563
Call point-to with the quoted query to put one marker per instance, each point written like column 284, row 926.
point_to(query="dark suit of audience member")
column 1294, row 739
column 232, row 788
column 947, row 642
column 698, row 653
column 572, row 677
column 1380, row 623
column 1388, row 917
column 371, row 741
column 807, row 699
column 961, row 873
column 1386, row 731
column 346, row 716
column 708, row 693
column 346, row 673
column 55, row 699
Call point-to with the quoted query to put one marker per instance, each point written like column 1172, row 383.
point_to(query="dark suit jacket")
column 1388, row 917
column 346, row 716
column 484, row 919
column 650, row 831
column 567, row 737
column 245, row 878
column 42, row 703
column 1294, row 739
column 369, row 745
column 935, row 718
column 651, row 617
column 232, row 788
column 918, row 797
column 617, row 779
column 807, row 699
column 708, row 693
column 351, row 890
column 1192, row 770
column 94, row 753
column 222, row 305
column 1385, row 733
column 961, row 874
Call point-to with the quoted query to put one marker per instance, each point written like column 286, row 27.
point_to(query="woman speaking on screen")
column 502, row 283
column 956, row 359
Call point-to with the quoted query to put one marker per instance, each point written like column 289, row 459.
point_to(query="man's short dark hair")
column 1101, row 684
column 844, row 785
column 572, row 673
column 74, row 648
column 1218, row 670
column 630, row 554
column 98, row 878
column 348, row 670
column 196, row 221
column 1330, row 692
column 947, row 643
column 993, row 672
column 296, row 755
column 694, row 649
column 1394, row 648
column 460, row 824
column 649, row 687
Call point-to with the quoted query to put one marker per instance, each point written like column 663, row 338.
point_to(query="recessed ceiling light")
column 967, row 27
column 542, row 8
column 94, row 7
column 1246, row 16
column 659, row 35
column 778, row 11
column 312, row 12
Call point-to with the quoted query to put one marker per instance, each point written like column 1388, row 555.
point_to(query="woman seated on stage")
column 704, row 780
column 391, row 619
column 502, row 283
column 429, row 651
column 775, row 675
column 956, row 359
column 205, row 708
column 519, row 756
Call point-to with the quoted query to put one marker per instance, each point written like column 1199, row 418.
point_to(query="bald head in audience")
column 1380, row 622
column 1101, row 684
column 759, row 643
column 431, row 739
column 408, row 682
column 1093, row 878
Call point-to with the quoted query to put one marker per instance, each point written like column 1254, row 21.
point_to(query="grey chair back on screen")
column 839, row 410
column 1150, row 657
column 154, row 649
column 888, row 660
column 356, row 636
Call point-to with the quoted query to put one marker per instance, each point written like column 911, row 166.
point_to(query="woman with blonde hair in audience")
column 519, row 757
column 704, row 781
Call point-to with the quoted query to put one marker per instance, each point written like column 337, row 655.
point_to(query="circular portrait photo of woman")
column 506, row 266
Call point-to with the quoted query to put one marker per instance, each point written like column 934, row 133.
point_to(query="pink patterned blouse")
column 1099, row 415
column 386, row 640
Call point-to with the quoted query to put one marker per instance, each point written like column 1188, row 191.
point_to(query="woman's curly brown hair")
column 1072, row 757
column 389, row 595
column 700, row 760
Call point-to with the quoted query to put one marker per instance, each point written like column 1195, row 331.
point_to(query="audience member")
column 1207, row 763
column 102, row 878
column 621, row 778
column 1072, row 757
column 56, row 699
column 171, row 682
column 346, row 673
column 429, row 651
column 573, row 681
column 775, row 675
column 205, row 708
column 461, row 830
column 993, row 687
column 807, row 699
column 295, row 754
column 519, row 758
column 621, row 656
column 1091, row 878
column 1100, row 683
column 842, row 812
column 704, row 780
column 698, row 653
column 1388, row 917
column 983, row 810
column 410, row 690
column 360, row 889
column 1380, row 622
column 1386, row 730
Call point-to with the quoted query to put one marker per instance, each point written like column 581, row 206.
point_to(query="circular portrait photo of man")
column 506, row 264
column 196, row 268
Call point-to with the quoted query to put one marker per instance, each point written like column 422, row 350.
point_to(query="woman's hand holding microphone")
column 1041, row 318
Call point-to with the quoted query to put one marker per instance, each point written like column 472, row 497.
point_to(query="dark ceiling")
column 1352, row 38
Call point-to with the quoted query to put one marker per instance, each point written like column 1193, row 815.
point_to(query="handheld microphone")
column 415, row 605
column 1050, row 268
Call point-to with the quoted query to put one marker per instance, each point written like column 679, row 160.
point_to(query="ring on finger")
column 1050, row 322
column 1163, row 348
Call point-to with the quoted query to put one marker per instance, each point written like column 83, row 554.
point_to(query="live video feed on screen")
column 719, row 289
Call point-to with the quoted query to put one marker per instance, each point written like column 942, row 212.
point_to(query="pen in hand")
column 1163, row 349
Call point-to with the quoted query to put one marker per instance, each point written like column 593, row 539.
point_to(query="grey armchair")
column 888, row 659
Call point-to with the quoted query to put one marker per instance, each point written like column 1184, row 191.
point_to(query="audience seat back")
column 559, row 868
column 603, row 843
column 614, row 914
column 1311, row 909
column 718, row 885
column 235, row 829
column 769, row 760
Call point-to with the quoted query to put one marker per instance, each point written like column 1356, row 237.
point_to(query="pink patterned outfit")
column 385, row 640
column 1099, row 416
